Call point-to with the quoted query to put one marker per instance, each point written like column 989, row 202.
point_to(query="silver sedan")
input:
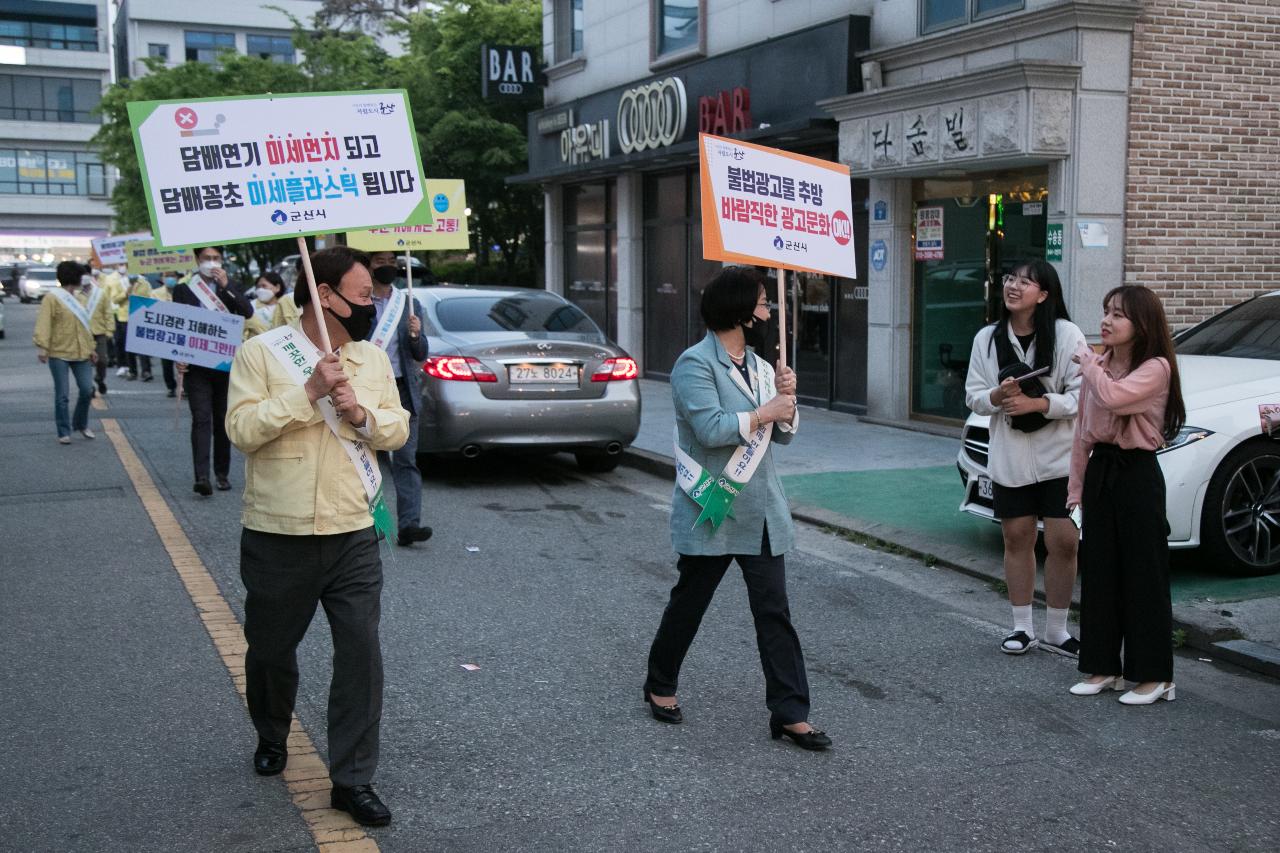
column 519, row 369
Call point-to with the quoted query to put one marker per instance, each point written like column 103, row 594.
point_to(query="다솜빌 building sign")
column 776, row 209
column 222, row 170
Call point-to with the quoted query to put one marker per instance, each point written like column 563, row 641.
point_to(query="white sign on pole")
column 110, row 250
column 777, row 209
column 181, row 332
column 270, row 166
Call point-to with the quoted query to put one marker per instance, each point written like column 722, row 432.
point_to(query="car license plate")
column 984, row 488
column 542, row 374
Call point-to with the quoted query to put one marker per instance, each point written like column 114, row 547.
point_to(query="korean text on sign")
column 184, row 333
column 448, row 230
column 261, row 168
column 773, row 208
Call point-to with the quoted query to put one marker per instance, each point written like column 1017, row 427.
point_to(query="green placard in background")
column 1053, row 242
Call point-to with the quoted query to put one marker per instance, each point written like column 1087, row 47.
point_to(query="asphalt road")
column 122, row 730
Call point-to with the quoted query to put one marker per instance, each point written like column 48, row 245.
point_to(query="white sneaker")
column 64, row 439
column 88, row 433
column 1163, row 691
column 122, row 371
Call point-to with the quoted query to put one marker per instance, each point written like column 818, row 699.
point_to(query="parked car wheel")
column 596, row 462
column 1241, row 525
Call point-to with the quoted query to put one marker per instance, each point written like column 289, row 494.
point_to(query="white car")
column 35, row 282
column 1222, row 471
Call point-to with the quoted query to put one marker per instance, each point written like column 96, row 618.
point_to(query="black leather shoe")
column 270, row 757
column 202, row 487
column 663, row 713
column 361, row 803
column 224, row 485
column 812, row 739
column 409, row 535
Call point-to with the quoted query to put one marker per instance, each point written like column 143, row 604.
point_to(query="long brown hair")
column 1151, row 339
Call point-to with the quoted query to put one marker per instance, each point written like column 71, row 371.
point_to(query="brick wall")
column 1203, row 194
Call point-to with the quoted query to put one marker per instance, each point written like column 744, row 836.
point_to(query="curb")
column 1202, row 631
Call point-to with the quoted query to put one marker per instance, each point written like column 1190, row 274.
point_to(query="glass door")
column 968, row 233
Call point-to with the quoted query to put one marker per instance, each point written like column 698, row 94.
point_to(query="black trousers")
column 285, row 577
column 166, row 367
column 786, row 685
column 1124, row 567
column 100, row 345
column 206, row 392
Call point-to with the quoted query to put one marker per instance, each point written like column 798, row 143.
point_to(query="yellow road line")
column 306, row 776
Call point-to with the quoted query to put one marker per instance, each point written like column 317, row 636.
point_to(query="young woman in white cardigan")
column 1032, row 424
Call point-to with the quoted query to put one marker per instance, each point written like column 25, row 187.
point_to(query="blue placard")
column 881, row 212
column 879, row 255
column 183, row 333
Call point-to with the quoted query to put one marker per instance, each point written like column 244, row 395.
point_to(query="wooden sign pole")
column 315, row 294
column 408, row 277
column 782, row 318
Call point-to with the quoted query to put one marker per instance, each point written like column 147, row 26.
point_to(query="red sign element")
column 841, row 227
column 728, row 112
column 185, row 118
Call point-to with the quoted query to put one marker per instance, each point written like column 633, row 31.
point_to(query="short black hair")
column 329, row 266
column 730, row 297
column 195, row 253
column 276, row 281
column 70, row 272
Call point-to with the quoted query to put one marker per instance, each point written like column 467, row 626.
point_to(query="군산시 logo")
column 777, row 243
column 279, row 217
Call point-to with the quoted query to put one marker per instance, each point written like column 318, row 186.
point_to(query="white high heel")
column 1164, row 691
column 1084, row 688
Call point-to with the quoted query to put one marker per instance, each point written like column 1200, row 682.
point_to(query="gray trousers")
column 285, row 577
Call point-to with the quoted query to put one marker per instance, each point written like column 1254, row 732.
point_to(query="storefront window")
column 590, row 246
column 968, row 233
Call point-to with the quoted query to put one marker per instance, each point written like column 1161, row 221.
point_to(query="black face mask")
column 756, row 335
column 360, row 322
column 385, row 275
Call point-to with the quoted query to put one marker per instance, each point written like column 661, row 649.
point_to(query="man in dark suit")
column 206, row 389
column 399, row 334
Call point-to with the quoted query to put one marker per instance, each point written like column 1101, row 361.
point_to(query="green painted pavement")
column 924, row 500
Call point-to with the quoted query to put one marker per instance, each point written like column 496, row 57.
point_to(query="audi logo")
column 510, row 88
column 652, row 115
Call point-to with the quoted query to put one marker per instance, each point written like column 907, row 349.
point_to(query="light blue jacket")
column 709, row 394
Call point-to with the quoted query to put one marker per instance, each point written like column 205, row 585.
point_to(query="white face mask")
column 265, row 294
column 86, row 281
column 122, row 270
column 207, row 267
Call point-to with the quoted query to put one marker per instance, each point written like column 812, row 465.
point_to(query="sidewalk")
column 900, row 488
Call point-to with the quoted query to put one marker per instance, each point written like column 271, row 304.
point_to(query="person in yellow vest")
column 308, row 425
column 119, row 293
column 64, row 342
column 163, row 292
column 102, row 323
column 286, row 313
column 139, row 287
column 266, row 304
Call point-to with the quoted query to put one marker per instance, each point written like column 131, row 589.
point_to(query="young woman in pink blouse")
column 1130, row 402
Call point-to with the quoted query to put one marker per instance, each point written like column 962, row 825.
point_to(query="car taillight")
column 458, row 368
column 616, row 368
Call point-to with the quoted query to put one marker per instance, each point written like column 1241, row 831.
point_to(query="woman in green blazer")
column 729, row 504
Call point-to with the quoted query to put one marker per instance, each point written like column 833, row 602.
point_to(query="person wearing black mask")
column 206, row 389
column 399, row 334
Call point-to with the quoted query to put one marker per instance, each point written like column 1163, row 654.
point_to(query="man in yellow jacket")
column 102, row 323
column 309, row 426
column 64, row 341
column 163, row 292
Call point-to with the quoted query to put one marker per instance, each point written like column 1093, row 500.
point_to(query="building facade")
column 179, row 32
column 1097, row 134
column 54, row 190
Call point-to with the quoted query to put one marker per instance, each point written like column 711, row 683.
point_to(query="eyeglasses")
column 1016, row 282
